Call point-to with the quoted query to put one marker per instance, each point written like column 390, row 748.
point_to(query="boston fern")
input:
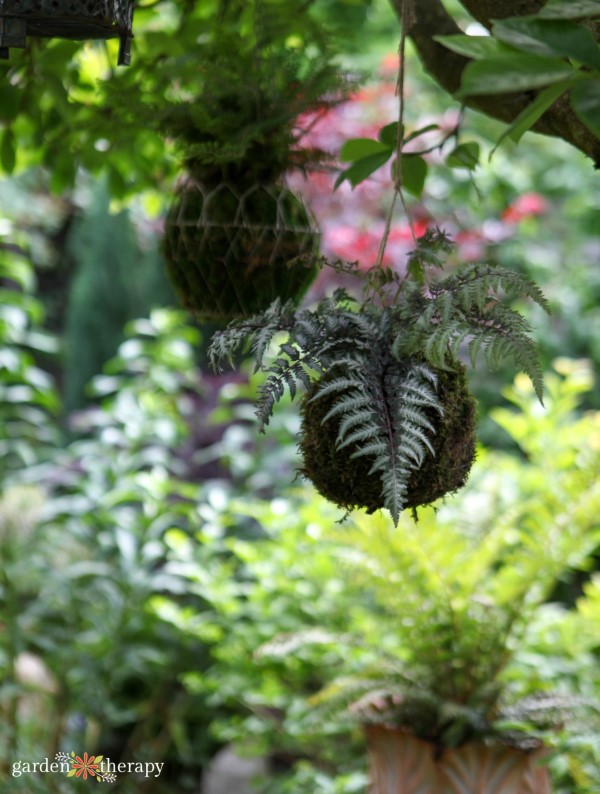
column 387, row 418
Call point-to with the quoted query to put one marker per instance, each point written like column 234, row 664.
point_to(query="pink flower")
column 526, row 206
column 471, row 245
column 403, row 233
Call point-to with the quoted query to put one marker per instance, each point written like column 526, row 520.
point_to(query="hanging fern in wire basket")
column 387, row 417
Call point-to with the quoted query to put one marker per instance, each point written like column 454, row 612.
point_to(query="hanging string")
column 407, row 19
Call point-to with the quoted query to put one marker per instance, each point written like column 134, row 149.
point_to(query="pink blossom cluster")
column 352, row 220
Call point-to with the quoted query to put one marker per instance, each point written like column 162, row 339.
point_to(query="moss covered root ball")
column 347, row 482
column 229, row 256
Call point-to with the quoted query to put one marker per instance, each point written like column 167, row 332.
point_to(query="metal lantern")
column 66, row 19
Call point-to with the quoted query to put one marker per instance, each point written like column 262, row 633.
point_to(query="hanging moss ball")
column 347, row 482
column 230, row 254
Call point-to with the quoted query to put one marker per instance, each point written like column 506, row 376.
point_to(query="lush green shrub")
column 445, row 606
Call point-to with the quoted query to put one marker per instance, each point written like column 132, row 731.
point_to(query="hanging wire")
column 408, row 15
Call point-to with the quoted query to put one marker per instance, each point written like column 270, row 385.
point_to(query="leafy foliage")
column 84, row 555
column 548, row 51
column 379, row 362
column 103, row 299
column 476, row 588
column 443, row 626
column 28, row 399
column 225, row 128
column 102, row 119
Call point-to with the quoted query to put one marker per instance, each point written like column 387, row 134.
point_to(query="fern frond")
column 275, row 319
column 394, row 485
column 224, row 346
column 415, row 440
column 504, row 334
column 374, row 449
column 341, row 384
column 465, row 308
column 350, row 403
column 418, row 418
column 364, row 433
column 473, row 284
column 284, row 373
column 255, row 333
column 416, row 392
column 349, row 421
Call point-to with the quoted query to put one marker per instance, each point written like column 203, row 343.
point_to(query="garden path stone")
column 229, row 773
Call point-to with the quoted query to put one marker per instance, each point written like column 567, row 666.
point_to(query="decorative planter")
column 230, row 254
column 401, row 764
column 66, row 19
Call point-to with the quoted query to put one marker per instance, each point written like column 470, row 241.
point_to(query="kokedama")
column 235, row 237
column 388, row 419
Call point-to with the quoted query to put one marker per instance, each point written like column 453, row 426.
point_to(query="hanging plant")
column 235, row 237
column 227, row 250
column 388, row 420
column 66, row 19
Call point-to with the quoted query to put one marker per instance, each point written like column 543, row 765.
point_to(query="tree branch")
column 431, row 19
column 486, row 10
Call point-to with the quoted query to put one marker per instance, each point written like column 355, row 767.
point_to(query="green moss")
column 229, row 256
column 347, row 482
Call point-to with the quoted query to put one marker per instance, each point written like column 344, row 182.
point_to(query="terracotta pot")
column 401, row 764
column 66, row 19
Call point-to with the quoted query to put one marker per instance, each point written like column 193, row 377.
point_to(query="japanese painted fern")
column 377, row 369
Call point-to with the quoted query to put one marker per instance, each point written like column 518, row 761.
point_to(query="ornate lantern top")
column 66, row 19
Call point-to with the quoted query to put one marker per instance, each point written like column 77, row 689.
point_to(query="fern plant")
column 233, row 227
column 387, row 419
column 461, row 638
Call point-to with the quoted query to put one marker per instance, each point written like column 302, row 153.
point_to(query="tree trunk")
column 431, row 19
column 401, row 764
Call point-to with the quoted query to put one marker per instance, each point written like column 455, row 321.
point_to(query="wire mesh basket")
column 66, row 19
column 230, row 254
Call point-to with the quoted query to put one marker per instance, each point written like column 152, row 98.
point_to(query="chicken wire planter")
column 229, row 254
column 66, row 19
column 402, row 764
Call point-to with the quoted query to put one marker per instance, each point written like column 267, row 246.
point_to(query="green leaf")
column 416, row 270
column 421, row 131
column 527, row 117
column 116, row 181
column 8, row 153
column 72, row 773
column 10, row 99
column 413, row 170
column 512, row 73
column 570, row 9
column 388, row 135
column 64, row 169
column 476, row 47
column 585, row 99
column 359, row 148
column 550, row 37
column 465, row 155
column 361, row 169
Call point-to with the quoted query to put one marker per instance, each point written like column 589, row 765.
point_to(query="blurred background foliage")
column 165, row 586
